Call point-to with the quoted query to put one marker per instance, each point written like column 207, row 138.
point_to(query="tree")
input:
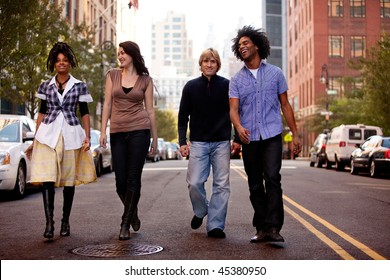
column 27, row 37
column 23, row 66
column 166, row 125
column 375, row 72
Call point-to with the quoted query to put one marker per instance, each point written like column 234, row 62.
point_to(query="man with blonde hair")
column 205, row 106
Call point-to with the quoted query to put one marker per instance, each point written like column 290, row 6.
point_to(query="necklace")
column 60, row 89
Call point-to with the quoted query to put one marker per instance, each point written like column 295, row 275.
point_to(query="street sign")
column 326, row 113
column 287, row 138
column 331, row 91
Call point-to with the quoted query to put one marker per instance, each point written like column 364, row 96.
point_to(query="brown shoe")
column 274, row 235
column 259, row 237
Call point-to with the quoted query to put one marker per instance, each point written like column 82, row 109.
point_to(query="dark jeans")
column 262, row 163
column 129, row 150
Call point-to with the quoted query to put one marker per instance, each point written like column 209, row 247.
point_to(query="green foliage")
column 28, row 33
column 375, row 71
column 28, row 30
column 166, row 125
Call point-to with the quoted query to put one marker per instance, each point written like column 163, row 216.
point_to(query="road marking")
column 333, row 245
column 374, row 255
column 368, row 184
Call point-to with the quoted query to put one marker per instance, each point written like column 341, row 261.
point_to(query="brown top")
column 128, row 112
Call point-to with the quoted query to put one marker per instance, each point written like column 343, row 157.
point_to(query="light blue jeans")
column 204, row 155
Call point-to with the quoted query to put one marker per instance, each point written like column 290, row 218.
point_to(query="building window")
column 176, row 19
column 358, row 46
column 335, row 8
column 176, row 27
column 336, row 85
column 336, row 46
column 357, row 8
column 385, row 8
column 176, row 35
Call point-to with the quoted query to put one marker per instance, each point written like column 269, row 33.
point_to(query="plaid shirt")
column 48, row 91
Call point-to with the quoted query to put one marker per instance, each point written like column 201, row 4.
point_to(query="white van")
column 342, row 142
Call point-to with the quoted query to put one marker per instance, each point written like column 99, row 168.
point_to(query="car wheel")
column 328, row 164
column 374, row 172
column 339, row 165
column 354, row 170
column 319, row 163
column 20, row 185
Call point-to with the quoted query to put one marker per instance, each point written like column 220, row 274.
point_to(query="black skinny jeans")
column 262, row 162
column 129, row 150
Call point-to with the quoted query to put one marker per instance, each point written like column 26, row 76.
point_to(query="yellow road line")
column 374, row 255
column 333, row 245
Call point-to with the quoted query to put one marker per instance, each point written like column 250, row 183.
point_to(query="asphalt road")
column 329, row 215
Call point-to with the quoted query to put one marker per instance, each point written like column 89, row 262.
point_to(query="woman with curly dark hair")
column 128, row 103
column 60, row 154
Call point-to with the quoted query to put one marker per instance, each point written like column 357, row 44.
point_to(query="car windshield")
column 386, row 143
column 9, row 130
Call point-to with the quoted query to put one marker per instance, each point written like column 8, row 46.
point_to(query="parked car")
column 317, row 151
column 101, row 156
column 373, row 156
column 173, row 150
column 16, row 134
column 162, row 150
column 342, row 142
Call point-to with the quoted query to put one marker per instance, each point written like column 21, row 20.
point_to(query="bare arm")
column 243, row 133
column 106, row 111
column 152, row 116
column 87, row 128
column 290, row 119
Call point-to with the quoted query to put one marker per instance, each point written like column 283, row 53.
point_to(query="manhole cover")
column 116, row 250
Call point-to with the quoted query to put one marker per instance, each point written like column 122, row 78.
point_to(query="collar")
column 262, row 62
column 71, row 81
column 211, row 79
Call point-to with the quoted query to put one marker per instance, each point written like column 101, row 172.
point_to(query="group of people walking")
column 252, row 101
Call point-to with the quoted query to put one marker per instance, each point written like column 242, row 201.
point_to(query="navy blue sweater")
column 205, row 105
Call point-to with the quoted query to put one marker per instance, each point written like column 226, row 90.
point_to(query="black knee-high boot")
column 135, row 222
column 48, row 205
column 131, row 202
column 68, row 193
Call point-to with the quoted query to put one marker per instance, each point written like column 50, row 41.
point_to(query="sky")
column 224, row 15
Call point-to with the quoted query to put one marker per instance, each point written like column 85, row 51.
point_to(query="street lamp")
column 325, row 80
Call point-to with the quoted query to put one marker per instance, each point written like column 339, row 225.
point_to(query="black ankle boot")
column 68, row 193
column 131, row 202
column 48, row 206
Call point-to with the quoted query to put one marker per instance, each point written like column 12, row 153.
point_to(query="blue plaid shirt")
column 48, row 91
column 259, row 107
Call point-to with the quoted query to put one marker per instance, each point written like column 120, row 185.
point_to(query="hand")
column 103, row 140
column 244, row 135
column 297, row 145
column 29, row 151
column 184, row 150
column 86, row 144
column 235, row 146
